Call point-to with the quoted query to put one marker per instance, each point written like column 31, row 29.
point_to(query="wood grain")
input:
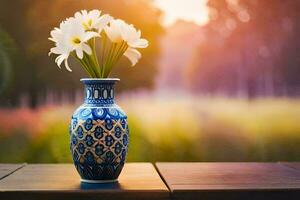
column 292, row 165
column 230, row 180
column 52, row 181
column 7, row 169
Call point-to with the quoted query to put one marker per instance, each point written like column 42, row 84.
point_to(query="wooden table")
column 232, row 180
column 61, row 181
column 207, row 181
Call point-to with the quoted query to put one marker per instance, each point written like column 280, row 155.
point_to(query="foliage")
column 256, row 42
column 30, row 24
column 193, row 129
column 6, row 55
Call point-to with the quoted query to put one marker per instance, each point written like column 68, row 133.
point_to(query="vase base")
column 98, row 181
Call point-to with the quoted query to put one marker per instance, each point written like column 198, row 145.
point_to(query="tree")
column 251, row 48
column 36, row 73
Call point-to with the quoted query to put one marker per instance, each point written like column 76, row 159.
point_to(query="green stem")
column 95, row 58
column 107, row 61
column 119, row 54
column 90, row 65
column 112, row 55
column 111, row 61
column 83, row 65
column 118, row 51
column 103, row 43
column 95, row 53
column 123, row 49
column 92, row 59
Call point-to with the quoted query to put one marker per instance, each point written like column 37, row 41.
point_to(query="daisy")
column 119, row 31
column 70, row 37
column 77, row 35
column 93, row 21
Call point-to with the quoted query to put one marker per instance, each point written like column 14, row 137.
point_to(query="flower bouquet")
column 76, row 37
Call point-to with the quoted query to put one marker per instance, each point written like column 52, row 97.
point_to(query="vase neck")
column 99, row 92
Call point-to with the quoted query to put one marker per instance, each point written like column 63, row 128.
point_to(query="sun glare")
column 189, row 10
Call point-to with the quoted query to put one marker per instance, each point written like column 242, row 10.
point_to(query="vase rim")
column 99, row 80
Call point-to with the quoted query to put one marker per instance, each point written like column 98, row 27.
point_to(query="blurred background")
column 219, row 81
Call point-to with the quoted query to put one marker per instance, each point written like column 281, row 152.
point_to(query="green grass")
column 187, row 129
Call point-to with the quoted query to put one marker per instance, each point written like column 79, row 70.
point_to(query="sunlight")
column 189, row 10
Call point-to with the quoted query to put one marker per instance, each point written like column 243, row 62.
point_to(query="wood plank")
column 292, row 165
column 52, row 181
column 7, row 169
column 230, row 180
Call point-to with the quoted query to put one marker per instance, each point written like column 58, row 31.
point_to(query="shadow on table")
column 93, row 186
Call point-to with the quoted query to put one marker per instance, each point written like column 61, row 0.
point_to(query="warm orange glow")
column 189, row 10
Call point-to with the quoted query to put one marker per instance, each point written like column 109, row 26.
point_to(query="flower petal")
column 139, row 33
column 87, row 48
column 103, row 21
column 141, row 43
column 114, row 31
column 58, row 57
column 94, row 13
column 79, row 52
column 67, row 65
column 59, row 60
column 133, row 55
column 78, row 15
column 55, row 50
column 90, row 34
column 55, row 35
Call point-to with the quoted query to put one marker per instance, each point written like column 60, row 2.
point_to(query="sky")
column 188, row 10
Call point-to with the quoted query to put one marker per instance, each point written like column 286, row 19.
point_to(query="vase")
column 99, row 133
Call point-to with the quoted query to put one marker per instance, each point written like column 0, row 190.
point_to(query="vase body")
column 99, row 133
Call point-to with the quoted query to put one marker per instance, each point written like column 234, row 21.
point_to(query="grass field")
column 187, row 129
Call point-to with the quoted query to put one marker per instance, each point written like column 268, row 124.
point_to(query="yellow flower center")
column 87, row 24
column 76, row 40
column 90, row 22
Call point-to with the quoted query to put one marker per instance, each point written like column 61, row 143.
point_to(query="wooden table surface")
column 7, row 169
column 61, row 181
column 232, row 180
column 207, row 181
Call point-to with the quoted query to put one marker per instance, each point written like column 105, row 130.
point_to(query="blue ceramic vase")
column 99, row 133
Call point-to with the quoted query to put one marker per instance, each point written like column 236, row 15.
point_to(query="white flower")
column 70, row 37
column 133, row 37
column 55, row 34
column 114, row 30
column 73, row 37
column 119, row 31
column 93, row 21
column 60, row 48
column 76, row 37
